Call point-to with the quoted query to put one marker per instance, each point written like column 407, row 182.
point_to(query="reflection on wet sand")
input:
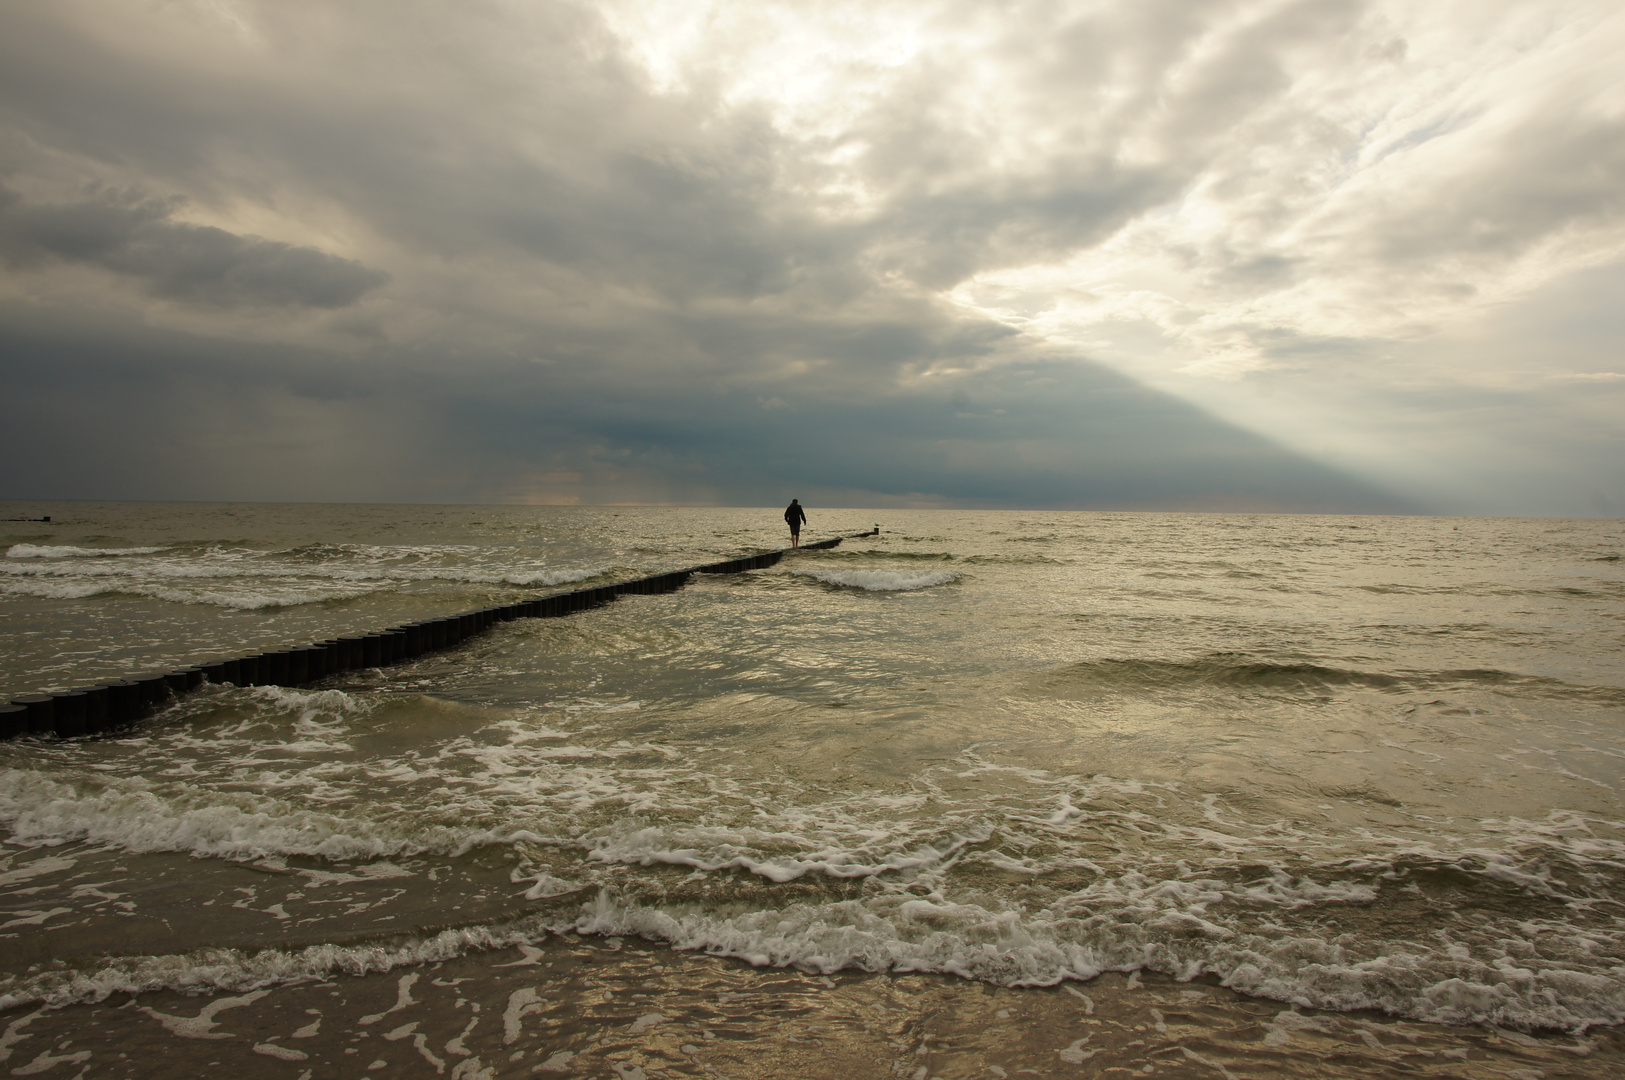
column 635, row 1010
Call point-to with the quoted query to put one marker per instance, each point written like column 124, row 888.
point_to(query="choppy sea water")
column 1351, row 768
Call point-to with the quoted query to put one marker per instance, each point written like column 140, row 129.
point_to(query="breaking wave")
column 39, row 551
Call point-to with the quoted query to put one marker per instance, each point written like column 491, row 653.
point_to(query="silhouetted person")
column 794, row 515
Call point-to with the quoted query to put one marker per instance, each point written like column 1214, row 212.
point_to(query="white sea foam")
column 56, row 590
column 132, row 816
column 545, row 885
column 1042, row 948
column 1180, row 922
column 235, row 971
column 904, row 933
column 48, row 865
column 46, row 551
column 881, row 580
column 138, row 815
column 310, row 704
column 713, row 849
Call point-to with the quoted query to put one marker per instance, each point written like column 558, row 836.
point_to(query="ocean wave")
column 1152, row 925
column 39, row 551
column 130, row 815
column 250, row 587
column 1125, row 924
column 244, row 597
column 502, row 576
column 895, row 556
column 1240, row 671
column 209, row 568
column 138, row 815
column 1220, row 669
column 310, row 704
column 716, row 849
column 56, row 590
column 1014, row 560
column 1486, row 589
column 211, row 970
column 919, row 900
column 881, row 580
column 253, row 600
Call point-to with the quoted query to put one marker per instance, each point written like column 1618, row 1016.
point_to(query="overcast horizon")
column 1298, row 255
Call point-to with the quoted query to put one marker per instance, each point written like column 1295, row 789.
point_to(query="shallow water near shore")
column 627, row 1008
column 1363, row 772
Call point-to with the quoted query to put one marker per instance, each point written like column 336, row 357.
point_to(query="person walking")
column 794, row 515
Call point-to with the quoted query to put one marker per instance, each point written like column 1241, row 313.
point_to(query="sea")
column 983, row 794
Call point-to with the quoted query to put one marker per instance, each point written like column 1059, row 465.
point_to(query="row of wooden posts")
column 92, row 710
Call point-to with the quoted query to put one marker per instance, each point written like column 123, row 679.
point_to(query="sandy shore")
column 633, row 1010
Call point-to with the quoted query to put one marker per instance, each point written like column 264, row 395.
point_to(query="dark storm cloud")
column 109, row 409
column 200, row 264
column 174, row 416
column 1056, row 434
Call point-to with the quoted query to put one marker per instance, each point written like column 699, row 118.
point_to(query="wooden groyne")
column 91, row 710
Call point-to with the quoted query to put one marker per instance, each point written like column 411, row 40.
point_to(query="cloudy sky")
column 1159, row 254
